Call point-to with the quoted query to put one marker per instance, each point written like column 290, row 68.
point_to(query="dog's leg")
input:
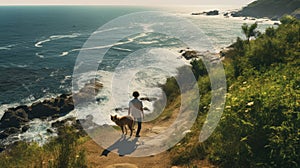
column 122, row 127
column 125, row 129
column 130, row 127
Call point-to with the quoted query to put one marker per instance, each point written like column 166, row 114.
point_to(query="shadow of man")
column 124, row 146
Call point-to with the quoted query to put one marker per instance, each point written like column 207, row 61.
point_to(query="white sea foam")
column 40, row 131
column 39, row 55
column 138, row 36
column 7, row 47
column 122, row 49
column 4, row 48
column 18, row 65
column 129, row 40
column 37, row 132
column 144, row 74
column 64, row 53
column 148, row 42
column 55, row 37
column 39, row 44
column 67, row 77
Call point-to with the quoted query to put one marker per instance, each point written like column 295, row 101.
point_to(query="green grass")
column 261, row 121
column 60, row 152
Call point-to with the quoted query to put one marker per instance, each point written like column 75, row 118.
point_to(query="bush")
column 60, row 152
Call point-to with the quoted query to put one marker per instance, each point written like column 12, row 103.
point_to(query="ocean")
column 40, row 44
column 33, row 39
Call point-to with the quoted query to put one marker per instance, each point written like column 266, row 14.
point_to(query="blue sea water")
column 32, row 40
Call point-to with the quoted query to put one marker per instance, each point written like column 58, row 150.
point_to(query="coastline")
column 55, row 111
column 259, row 117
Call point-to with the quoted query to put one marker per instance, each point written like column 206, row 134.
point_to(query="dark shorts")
column 138, row 119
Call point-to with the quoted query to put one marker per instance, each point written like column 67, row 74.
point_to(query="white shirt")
column 136, row 107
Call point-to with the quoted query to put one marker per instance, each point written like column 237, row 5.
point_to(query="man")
column 136, row 110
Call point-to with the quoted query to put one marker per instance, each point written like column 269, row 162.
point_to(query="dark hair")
column 135, row 94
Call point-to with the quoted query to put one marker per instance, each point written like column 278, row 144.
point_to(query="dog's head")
column 113, row 118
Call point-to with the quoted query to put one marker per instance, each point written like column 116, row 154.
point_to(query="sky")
column 127, row 2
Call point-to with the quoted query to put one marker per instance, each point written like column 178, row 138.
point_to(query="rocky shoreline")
column 16, row 120
column 240, row 14
column 190, row 54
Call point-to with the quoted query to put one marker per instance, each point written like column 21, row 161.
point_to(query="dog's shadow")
column 124, row 146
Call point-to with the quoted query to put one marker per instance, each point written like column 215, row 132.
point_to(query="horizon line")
column 173, row 5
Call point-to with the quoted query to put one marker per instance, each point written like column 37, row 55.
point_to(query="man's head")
column 135, row 94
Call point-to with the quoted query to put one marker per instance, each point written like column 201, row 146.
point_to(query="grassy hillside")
column 270, row 8
column 260, row 126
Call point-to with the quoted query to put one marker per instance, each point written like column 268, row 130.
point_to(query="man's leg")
column 139, row 122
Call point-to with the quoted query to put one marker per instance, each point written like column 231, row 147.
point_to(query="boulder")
column 13, row 118
column 53, row 107
column 25, row 128
column 88, row 92
column 67, row 106
column 9, row 131
column 212, row 13
column 190, row 55
column 23, row 107
column 42, row 110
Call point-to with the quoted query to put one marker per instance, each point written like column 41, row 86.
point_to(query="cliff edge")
column 273, row 9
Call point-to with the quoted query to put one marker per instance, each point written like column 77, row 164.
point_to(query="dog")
column 123, row 121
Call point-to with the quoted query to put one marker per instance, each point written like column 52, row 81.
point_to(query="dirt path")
column 161, row 160
column 113, row 160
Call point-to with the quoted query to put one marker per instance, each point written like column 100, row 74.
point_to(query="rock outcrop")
column 15, row 120
column 14, row 117
column 190, row 54
column 88, row 92
column 270, row 9
column 212, row 13
column 209, row 13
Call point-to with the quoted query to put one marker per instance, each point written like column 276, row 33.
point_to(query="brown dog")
column 123, row 121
